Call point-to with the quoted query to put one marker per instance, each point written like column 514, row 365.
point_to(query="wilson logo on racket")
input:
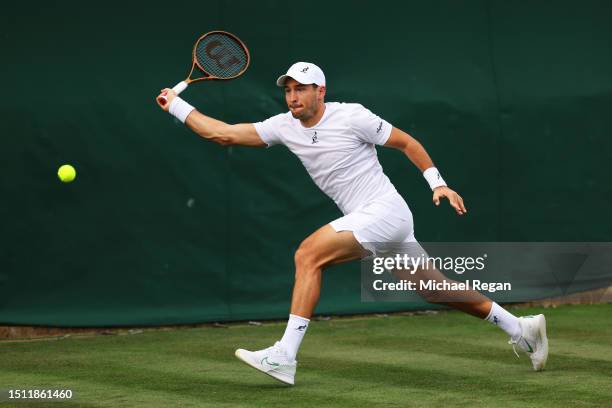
column 222, row 56
column 216, row 55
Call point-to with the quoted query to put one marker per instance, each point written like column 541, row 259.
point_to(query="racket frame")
column 181, row 86
column 209, row 76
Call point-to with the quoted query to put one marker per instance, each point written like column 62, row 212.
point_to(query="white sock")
column 506, row 320
column 294, row 333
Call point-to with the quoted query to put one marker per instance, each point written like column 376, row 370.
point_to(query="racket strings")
column 221, row 55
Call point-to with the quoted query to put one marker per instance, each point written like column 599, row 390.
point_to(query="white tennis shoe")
column 272, row 361
column 533, row 340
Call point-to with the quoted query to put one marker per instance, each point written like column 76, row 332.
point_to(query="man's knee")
column 431, row 295
column 306, row 259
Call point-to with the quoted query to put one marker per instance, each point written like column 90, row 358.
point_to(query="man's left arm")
column 418, row 156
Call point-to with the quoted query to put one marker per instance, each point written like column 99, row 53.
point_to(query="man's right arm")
column 243, row 134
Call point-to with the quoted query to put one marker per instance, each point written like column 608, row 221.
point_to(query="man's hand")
column 169, row 94
column 455, row 199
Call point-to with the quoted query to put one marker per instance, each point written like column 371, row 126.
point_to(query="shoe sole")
column 275, row 375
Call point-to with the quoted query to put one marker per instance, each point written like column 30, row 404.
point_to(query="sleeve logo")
column 379, row 127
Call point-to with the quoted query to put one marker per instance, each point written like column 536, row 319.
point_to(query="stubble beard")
column 306, row 113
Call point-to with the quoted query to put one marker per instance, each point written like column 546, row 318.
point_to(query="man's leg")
column 467, row 301
column 528, row 333
column 322, row 248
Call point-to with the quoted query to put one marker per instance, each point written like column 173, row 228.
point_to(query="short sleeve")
column 269, row 130
column 368, row 127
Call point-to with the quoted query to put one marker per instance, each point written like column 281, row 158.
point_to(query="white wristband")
column 180, row 109
column 433, row 177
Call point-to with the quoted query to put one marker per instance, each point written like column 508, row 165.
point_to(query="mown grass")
column 442, row 360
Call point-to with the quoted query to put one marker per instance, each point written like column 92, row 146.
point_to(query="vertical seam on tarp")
column 499, row 122
column 228, row 195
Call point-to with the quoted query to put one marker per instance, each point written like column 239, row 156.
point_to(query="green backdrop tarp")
column 510, row 98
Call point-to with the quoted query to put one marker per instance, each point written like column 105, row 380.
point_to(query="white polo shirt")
column 338, row 152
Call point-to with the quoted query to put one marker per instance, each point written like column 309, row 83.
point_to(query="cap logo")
column 303, row 71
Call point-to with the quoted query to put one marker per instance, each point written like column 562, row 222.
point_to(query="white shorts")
column 380, row 224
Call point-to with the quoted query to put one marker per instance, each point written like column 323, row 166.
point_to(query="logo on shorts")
column 303, row 71
column 379, row 127
column 315, row 139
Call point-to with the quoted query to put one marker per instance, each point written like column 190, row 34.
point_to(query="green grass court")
column 443, row 360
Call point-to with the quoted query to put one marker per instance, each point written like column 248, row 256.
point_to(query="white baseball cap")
column 305, row 73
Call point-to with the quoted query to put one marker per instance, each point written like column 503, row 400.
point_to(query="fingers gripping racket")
column 216, row 55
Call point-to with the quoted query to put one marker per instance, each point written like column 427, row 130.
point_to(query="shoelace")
column 513, row 343
column 275, row 349
column 514, row 348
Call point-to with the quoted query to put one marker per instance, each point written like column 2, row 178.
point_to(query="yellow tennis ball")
column 66, row 173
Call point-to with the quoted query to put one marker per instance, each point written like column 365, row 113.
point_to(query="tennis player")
column 336, row 144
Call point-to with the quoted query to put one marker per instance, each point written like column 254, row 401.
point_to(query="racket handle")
column 178, row 88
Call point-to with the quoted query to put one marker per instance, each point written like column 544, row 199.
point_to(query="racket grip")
column 178, row 88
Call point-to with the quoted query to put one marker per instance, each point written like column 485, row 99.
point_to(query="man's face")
column 303, row 100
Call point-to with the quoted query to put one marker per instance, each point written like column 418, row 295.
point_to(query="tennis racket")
column 216, row 55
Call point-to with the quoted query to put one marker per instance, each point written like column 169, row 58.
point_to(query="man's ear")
column 322, row 91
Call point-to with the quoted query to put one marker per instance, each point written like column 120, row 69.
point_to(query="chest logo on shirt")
column 315, row 139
